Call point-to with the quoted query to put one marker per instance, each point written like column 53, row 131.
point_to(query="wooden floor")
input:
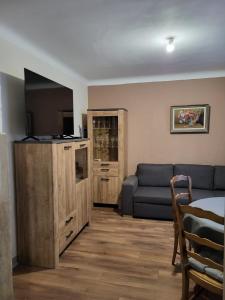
column 116, row 258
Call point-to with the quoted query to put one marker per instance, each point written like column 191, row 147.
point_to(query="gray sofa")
column 147, row 194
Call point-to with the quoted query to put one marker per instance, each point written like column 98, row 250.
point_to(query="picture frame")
column 190, row 118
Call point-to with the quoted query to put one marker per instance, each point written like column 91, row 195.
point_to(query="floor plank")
column 116, row 258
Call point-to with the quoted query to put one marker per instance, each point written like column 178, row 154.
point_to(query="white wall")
column 12, row 124
column 13, row 59
column 6, row 290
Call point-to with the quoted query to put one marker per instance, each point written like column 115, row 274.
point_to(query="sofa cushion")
column 218, row 193
column 219, row 178
column 152, row 211
column 197, row 193
column 201, row 175
column 154, row 174
column 200, row 194
column 153, row 195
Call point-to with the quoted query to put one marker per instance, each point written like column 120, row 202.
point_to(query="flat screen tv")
column 49, row 107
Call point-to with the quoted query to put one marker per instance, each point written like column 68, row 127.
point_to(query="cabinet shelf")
column 105, row 128
column 78, row 179
column 106, row 147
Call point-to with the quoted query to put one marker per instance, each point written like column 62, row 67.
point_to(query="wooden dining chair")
column 176, row 197
column 205, row 272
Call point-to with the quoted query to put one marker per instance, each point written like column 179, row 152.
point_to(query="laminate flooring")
column 116, row 258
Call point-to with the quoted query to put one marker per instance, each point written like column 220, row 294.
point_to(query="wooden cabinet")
column 107, row 130
column 49, row 205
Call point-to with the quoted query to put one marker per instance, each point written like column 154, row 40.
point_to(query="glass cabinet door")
column 105, row 138
column 81, row 157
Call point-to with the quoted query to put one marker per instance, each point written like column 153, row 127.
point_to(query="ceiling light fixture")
column 170, row 44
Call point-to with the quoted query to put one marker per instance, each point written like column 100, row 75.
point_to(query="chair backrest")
column 179, row 196
column 184, row 235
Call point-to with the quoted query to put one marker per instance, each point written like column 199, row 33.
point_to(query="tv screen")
column 49, row 106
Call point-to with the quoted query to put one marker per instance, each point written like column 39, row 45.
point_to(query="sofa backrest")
column 219, row 178
column 201, row 175
column 154, row 174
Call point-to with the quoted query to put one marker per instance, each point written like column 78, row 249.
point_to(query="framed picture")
column 189, row 118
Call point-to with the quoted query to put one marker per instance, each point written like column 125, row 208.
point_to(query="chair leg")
column 175, row 245
column 189, row 246
column 185, row 285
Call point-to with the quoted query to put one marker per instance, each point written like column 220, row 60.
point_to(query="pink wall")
column 148, row 104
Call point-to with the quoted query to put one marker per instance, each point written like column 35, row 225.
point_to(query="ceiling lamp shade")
column 170, row 44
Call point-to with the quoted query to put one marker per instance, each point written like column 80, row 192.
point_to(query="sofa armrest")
column 128, row 189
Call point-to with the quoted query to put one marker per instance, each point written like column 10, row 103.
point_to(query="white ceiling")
column 107, row 39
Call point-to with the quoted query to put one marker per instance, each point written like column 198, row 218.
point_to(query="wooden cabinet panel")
column 82, row 203
column 105, row 189
column 66, row 181
column 37, row 230
column 83, row 183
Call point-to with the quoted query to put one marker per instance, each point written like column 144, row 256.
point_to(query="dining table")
column 207, row 228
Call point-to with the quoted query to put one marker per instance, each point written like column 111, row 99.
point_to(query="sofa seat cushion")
column 153, row 195
column 154, row 174
column 219, row 178
column 218, row 193
column 201, row 175
column 153, row 211
column 197, row 193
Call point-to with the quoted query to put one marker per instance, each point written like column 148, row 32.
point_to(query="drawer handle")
column 82, row 145
column 67, row 147
column 104, row 170
column 104, row 165
column 69, row 235
column 104, row 179
column 69, row 220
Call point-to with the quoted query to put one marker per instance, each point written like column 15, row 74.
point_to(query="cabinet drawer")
column 81, row 145
column 106, row 164
column 106, row 171
column 106, row 189
column 67, row 232
column 66, row 222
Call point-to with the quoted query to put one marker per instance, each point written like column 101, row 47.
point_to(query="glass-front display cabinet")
column 107, row 133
